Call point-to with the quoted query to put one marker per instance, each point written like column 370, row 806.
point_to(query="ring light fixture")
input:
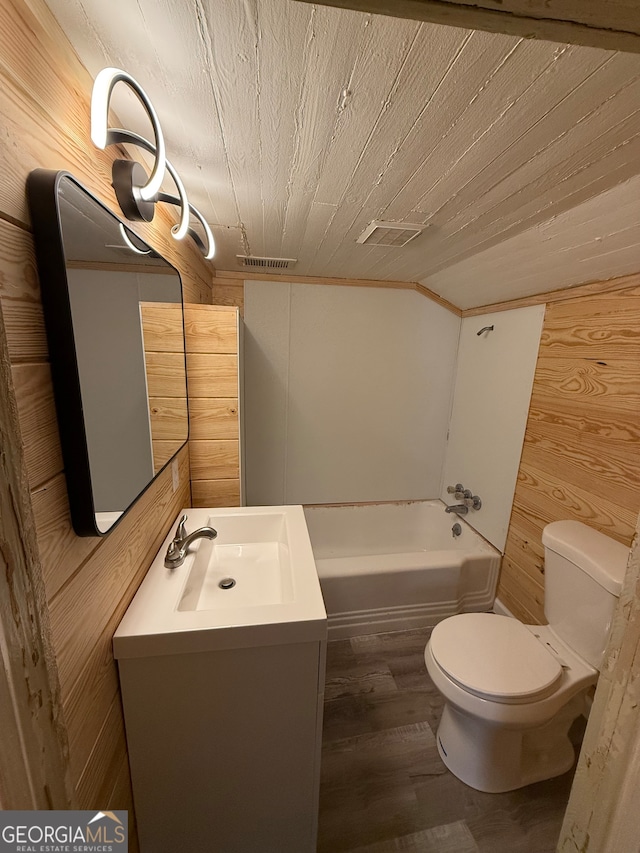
column 136, row 192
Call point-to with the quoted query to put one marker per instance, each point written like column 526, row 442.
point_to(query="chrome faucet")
column 177, row 550
column 459, row 509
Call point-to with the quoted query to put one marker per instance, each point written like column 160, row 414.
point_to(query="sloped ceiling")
column 294, row 126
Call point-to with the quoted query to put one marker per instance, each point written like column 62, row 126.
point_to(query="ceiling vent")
column 398, row 234
column 266, row 263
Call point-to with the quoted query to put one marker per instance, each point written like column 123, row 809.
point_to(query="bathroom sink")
column 247, row 565
column 255, row 584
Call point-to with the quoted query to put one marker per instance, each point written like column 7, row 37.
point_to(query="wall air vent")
column 398, row 234
column 266, row 263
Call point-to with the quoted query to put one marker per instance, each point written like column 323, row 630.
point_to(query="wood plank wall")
column 89, row 582
column 164, row 359
column 214, row 399
column 581, row 453
column 230, row 292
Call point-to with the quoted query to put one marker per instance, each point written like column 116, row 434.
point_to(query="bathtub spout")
column 459, row 509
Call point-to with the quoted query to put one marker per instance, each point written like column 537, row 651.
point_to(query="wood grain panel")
column 547, row 496
column 107, row 754
column 163, row 450
column 213, row 418
column 215, row 492
column 581, row 453
column 103, row 587
column 168, row 417
column 582, row 461
column 211, row 330
column 100, row 687
column 38, row 421
column 229, row 292
column 165, row 374
column 34, row 770
column 214, row 460
column 521, row 598
column 559, row 418
column 61, row 551
column 162, row 327
column 611, row 384
column 212, row 375
column 20, row 294
column 621, row 337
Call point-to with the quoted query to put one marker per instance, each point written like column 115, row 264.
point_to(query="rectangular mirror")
column 114, row 319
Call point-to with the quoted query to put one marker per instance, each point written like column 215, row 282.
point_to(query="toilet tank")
column 584, row 570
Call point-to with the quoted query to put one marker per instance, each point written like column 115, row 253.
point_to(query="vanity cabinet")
column 213, row 335
column 223, row 686
column 224, row 748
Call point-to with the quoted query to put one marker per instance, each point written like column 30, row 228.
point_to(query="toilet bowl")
column 505, row 725
column 512, row 691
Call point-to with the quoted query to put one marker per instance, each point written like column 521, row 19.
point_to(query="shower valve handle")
column 453, row 490
column 473, row 501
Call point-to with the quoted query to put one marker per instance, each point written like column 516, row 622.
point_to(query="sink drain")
column 227, row 583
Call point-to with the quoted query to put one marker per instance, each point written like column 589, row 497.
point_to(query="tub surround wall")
column 581, row 453
column 347, row 392
column 87, row 583
column 494, row 376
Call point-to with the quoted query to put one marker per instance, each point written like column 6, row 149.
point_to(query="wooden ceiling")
column 294, row 126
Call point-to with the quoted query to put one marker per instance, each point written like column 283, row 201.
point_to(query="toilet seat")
column 494, row 657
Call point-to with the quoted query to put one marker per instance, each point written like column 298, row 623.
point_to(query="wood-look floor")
column 384, row 788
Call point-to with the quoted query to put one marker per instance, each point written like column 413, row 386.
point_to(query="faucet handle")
column 453, row 489
column 473, row 501
column 181, row 529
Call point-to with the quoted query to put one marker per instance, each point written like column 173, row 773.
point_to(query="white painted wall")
column 494, row 378
column 347, row 393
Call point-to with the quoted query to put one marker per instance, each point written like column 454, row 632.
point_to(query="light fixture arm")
column 102, row 136
column 208, row 250
column 182, row 228
column 129, row 242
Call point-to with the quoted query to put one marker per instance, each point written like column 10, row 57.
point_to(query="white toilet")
column 511, row 690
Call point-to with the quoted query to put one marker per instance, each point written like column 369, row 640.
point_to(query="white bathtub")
column 389, row 567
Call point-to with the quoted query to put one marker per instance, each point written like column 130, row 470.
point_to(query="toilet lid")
column 494, row 657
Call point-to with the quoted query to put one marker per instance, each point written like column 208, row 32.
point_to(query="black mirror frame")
column 42, row 192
